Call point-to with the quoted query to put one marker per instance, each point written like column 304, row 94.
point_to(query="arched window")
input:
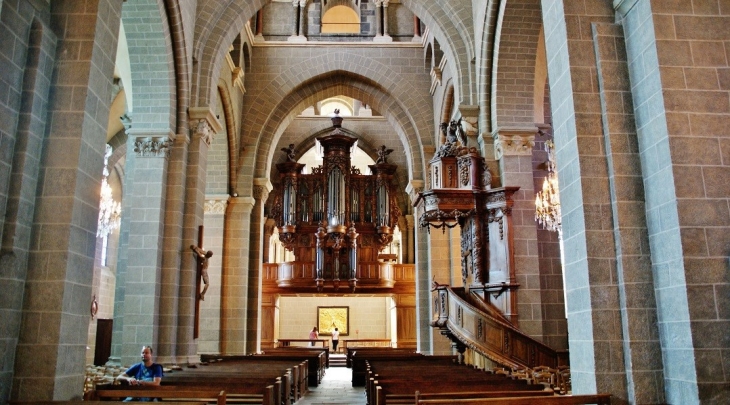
column 340, row 20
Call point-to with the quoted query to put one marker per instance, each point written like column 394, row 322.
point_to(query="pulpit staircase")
column 472, row 322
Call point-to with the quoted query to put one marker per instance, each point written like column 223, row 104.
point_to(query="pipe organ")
column 335, row 217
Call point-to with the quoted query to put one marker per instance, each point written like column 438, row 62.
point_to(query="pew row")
column 599, row 399
column 189, row 394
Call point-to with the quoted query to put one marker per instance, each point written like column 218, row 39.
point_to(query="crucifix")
column 202, row 257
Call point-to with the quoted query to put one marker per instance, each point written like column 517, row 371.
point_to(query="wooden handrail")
column 492, row 337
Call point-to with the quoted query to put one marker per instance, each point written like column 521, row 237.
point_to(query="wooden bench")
column 246, row 378
column 601, row 399
column 119, row 392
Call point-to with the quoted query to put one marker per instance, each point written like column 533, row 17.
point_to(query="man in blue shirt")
column 145, row 372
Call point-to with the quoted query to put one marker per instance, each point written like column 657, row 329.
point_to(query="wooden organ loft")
column 336, row 220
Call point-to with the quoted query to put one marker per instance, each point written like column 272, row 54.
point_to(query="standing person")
column 335, row 339
column 313, row 335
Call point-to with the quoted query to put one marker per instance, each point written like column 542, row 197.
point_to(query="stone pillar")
column 410, row 233
column 203, row 126
column 20, row 175
column 261, row 189
column 234, row 294
column 166, row 344
column 416, row 29
column 513, row 149
column 260, row 24
column 381, row 34
column 634, row 276
column 300, row 18
column 594, row 315
column 51, row 346
column 210, row 308
column 147, row 181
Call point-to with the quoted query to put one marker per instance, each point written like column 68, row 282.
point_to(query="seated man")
column 143, row 373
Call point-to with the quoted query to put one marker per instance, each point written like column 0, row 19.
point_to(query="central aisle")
column 336, row 388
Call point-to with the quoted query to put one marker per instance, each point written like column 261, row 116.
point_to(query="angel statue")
column 291, row 154
column 383, row 153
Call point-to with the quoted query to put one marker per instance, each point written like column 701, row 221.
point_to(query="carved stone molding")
column 215, row 206
column 513, row 144
column 150, row 146
column 202, row 130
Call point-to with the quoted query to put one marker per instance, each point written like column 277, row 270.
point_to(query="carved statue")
column 383, row 153
column 291, row 154
column 203, row 257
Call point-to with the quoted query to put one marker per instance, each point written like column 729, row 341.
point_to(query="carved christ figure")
column 203, row 257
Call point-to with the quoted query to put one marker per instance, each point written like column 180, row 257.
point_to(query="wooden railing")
column 369, row 275
column 491, row 336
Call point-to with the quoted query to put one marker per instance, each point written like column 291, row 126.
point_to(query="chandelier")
column 109, row 210
column 547, row 201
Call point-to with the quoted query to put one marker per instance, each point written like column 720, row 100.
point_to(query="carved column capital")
column 204, row 123
column 413, row 188
column 261, row 189
column 152, row 146
column 514, row 141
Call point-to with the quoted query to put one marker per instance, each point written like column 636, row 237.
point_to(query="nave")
column 335, row 388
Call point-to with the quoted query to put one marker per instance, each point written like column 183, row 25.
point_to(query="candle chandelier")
column 547, row 201
column 110, row 211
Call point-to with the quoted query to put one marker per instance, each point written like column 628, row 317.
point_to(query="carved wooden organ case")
column 335, row 217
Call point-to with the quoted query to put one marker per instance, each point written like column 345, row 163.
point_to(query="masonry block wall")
column 679, row 78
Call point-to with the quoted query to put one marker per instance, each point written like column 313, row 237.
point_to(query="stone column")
column 234, row 294
column 261, row 189
column 416, row 29
column 300, row 18
column 260, row 24
column 594, row 316
column 513, row 150
column 410, row 239
column 210, row 308
column 381, row 33
column 51, row 346
column 147, row 180
column 21, row 176
column 203, row 125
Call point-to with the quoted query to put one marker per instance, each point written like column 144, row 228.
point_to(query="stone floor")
column 336, row 388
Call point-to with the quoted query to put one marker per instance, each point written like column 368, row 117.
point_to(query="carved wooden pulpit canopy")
column 335, row 210
column 458, row 192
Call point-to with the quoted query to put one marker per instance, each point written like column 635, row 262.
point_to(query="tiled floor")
column 336, row 388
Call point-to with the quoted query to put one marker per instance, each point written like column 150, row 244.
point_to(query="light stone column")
column 204, row 125
column 261, row 189
column 513, row 150
column 381, row 35
column 300, row 17
column 234, row 294
column 210, row 308
column 147, row 194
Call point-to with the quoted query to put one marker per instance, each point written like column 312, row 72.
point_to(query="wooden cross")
column 201, row 258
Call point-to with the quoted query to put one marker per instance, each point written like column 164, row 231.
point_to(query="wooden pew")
column 315, row 360
column 393, row 381
column 188, row 394
column 298, row 349
column 351, row 350
column 245, row 378
column 83, row 402
column 601, row 399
